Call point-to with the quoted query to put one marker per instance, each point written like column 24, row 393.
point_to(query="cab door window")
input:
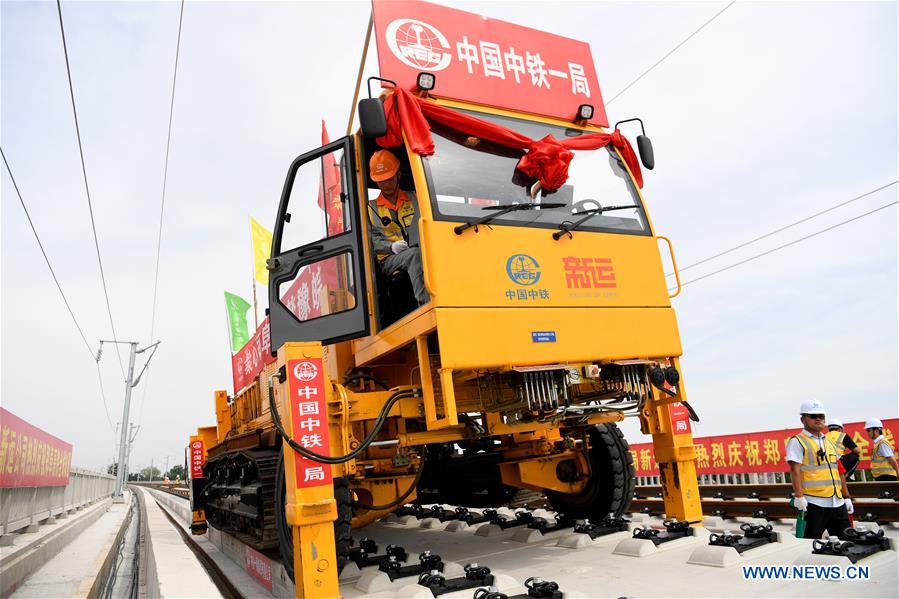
column 316, row 288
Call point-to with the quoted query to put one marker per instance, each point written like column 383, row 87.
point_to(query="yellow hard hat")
column 383, row 165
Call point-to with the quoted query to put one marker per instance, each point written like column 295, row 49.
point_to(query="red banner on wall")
column 259, row 566
column 486, row 60
column 309, row 412
column 30, row 457
column 753, row 452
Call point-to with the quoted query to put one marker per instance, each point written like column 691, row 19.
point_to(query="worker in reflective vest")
column 395, row 226
column 818, row 486
column 883, row 458
column 849, row 450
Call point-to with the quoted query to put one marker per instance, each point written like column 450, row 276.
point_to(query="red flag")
column 329, row 189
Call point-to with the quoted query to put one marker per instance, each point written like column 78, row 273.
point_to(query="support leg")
column 676, row 457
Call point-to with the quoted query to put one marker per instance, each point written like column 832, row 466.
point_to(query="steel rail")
column 866, row 490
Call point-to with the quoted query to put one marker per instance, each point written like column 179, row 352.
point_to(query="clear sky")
column 771, row 113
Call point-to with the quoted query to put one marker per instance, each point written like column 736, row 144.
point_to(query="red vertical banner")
column 196, row 458
column 309, row 414
column 329, row 192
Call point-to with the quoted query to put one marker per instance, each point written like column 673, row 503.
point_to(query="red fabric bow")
column 546, row 159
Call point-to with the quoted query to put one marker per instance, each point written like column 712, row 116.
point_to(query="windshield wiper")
column 500, row 210
column 567, row 228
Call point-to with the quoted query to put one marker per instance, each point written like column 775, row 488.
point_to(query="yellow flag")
column 262, row 247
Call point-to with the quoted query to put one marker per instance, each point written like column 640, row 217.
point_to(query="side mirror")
column 372, row 119
column 644, row 146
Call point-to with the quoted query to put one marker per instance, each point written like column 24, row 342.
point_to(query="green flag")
column 237, row 320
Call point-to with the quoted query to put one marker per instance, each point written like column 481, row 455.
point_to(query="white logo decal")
column 418, row 45
column 305, row 371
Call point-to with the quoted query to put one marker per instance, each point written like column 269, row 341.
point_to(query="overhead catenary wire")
column 165, row 173
column 58, row 286
column 672, row 51
column 165, row 179
column 46, row 259
column 87, row 189
column 784, row 228
column 792, row 243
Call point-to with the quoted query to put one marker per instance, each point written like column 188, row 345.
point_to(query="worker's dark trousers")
column 885, row 477
column 410, row 261
column 832, row 519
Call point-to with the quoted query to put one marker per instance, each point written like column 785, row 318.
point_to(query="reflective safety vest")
column 879, row 464
column 837, row 438
column 820, row 476
column 401, row 217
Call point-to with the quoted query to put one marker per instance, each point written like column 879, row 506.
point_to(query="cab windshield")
column 467, row 174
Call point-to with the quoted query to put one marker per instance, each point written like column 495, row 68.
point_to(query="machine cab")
column 484, row 280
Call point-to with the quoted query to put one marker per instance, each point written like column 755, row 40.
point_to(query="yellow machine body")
column 476, row 325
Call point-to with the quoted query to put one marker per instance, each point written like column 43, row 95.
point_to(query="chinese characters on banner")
column 247, row 363
column 304, row 298
column 29, row 457
column 259, row 566
column 486, row 60
column 752, row 452
column 196, row 458
column 309, row 413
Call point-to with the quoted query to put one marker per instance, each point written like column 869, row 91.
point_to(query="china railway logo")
column 305, row 371
column 418, row 45
column 523, row 269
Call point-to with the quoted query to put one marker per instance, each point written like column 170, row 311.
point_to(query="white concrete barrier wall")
column 21, row 507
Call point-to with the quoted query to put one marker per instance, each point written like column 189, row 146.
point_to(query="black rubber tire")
column 343, row 529
column 610, row 489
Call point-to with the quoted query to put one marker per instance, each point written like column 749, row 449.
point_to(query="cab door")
column 316, row 282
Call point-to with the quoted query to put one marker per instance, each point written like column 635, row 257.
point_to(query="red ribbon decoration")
column 546, row 159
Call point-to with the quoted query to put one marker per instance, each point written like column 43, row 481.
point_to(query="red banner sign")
column 252, row 357
column 306, row 298
column 680, row 417
column 487, row 61
column 259, row 567
column 753, row 452
column 197, row 456
column 309, row 412
column 29, row 457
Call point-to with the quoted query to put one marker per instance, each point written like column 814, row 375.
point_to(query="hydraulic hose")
column 324, row 459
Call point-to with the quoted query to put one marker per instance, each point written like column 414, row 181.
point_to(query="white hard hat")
column 812, row 406
column 873, row 423
column 835, row 422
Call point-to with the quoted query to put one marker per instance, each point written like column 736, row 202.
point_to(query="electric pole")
column 133, row 433
column 130, row 383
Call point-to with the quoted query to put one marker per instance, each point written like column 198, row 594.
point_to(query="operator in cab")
column 394, row 232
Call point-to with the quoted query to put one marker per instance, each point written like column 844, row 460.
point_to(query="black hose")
column 324, row 459
column 401, row 498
